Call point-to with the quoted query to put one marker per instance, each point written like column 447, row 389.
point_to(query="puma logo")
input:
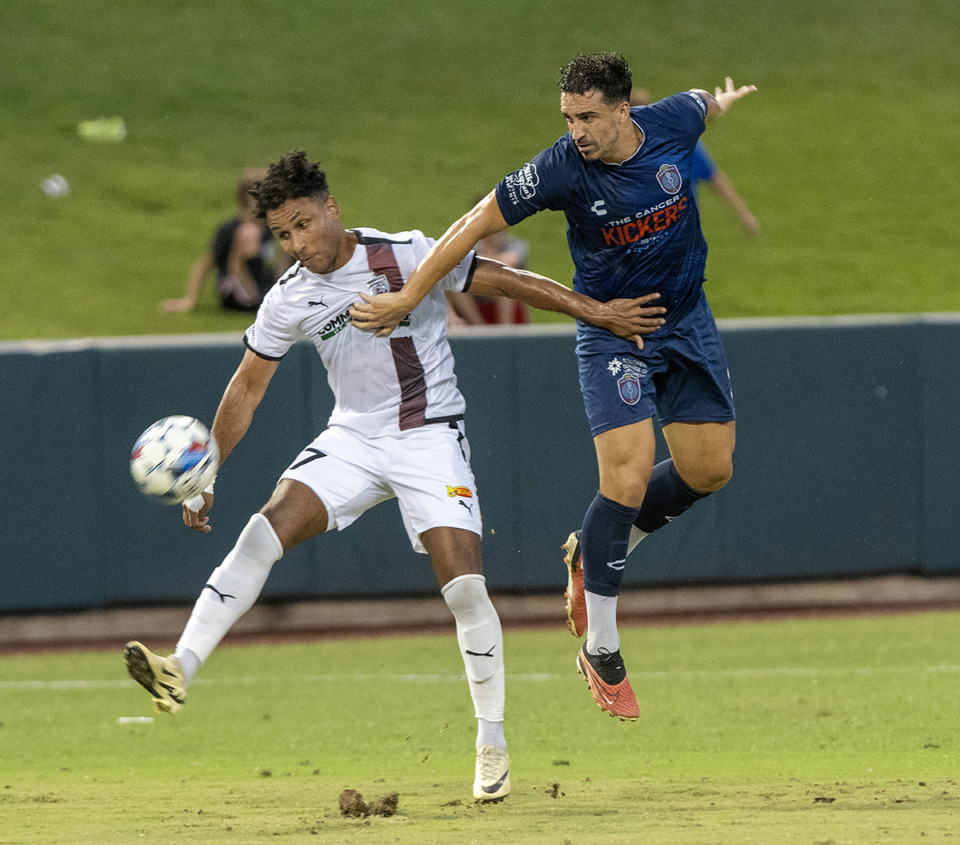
column 223, row 596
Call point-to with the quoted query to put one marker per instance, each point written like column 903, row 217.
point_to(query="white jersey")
column 382, row 385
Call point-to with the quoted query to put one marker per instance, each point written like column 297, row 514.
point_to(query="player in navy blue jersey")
column 622, row 177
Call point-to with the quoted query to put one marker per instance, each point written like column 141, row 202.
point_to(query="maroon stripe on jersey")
column 413, row 386
column 381, row 259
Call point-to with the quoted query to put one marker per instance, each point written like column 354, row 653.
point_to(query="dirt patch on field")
column 352, row 805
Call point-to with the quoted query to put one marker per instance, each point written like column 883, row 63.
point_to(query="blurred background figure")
column 705, row 170
column 242, row 255
column 466, row 309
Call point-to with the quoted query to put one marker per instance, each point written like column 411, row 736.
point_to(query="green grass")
column 414, row 108
column 836, row 731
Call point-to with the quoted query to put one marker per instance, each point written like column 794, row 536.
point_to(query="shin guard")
column 481, row 643
column 233, row 587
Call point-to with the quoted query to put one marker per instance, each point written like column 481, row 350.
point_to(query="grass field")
column 830, row 731
column 812, row 731
column 843, row 154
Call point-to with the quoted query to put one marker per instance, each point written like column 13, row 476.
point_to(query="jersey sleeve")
column 536, row 186
column 684, row 114
column 271, row 336
column 458, row 279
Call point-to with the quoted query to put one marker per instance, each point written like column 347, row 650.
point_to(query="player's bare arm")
column 384, row 312
column 626, row 318
column 241, row 398
column 721, row 99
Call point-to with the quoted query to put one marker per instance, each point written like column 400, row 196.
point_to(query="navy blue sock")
column 603, row 543
column 667, row 496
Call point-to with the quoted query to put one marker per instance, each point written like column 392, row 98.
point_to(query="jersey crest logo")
column 669, row 178
column 523, row 182
column 629, row 387
column 378, row 284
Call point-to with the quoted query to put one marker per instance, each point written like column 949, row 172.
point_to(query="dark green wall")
column 846, row 465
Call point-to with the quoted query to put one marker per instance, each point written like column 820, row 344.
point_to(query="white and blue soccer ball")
column 174, row 460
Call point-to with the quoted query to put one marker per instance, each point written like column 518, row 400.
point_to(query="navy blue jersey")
column 632, row 228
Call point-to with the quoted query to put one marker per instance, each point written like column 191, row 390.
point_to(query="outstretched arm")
column 240, row 399
column 720, row 101
column 627, row 318
column 384, row 312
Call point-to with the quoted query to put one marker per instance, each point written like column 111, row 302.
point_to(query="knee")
column 708, row 478
column 625, row 484
column 295, row 513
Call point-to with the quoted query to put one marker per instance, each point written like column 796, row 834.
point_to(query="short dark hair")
column 607, row 73
column 288, row 179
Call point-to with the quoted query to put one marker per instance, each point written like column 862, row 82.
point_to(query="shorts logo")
column 378, row 284
column 453, row 492
column 522, row 184
column 629, row 387
column 669, row 178
column 630, row 371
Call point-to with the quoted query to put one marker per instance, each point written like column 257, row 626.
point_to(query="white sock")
column 231, row 591
column 189, row 662
column 481, row 643
column 490, row 733
column 601, row 623
column 636, row 535
column 602, row 610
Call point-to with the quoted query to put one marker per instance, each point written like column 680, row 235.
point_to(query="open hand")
column 726, row 97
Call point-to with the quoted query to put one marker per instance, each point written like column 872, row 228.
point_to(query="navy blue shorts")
column 680, row 377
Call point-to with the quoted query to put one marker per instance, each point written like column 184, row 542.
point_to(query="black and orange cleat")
column 607, row 677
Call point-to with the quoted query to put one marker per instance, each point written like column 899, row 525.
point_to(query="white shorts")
column 426, row 468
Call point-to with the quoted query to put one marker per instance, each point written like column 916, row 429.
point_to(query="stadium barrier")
column 845, row 465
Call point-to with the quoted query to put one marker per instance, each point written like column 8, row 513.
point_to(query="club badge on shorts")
column 629, row 387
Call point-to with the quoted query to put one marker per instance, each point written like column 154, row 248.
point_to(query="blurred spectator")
column 241, row 254
column 705, row 170
column 466, row 309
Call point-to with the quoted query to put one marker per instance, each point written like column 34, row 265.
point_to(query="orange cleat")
column 607, row 677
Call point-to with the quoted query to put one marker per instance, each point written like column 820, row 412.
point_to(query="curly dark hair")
column 607, row 73
column 288, row 179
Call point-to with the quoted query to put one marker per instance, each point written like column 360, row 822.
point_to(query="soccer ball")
column 174, row 459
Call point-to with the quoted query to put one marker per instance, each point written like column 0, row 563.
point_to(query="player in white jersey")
column 396, row 431
column 369, row 380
